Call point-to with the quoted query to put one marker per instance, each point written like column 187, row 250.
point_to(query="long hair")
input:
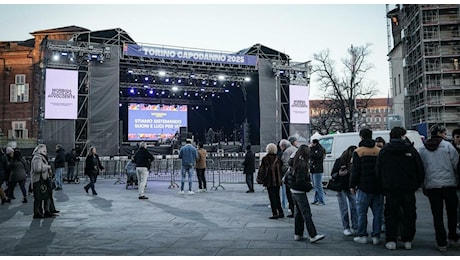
column 302, row 153
column 90, row 151
column 347, row 155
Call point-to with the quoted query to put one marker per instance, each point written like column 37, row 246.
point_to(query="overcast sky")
column 299, row 30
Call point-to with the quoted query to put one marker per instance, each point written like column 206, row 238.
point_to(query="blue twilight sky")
column 299, row 30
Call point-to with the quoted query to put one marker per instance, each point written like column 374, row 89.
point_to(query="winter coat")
column 249, row 163
column 4, row 168
column 143, row 158
column 440, row 160
column 399, row 167
column 201, row 160
column 363, row 174
column 93, row 165
column 269, row 174
column 19, row 170
column 71, row 159
column 286, row 155
column 39, row 166
column 344, row 180
column 300, row 176
column 317, row 155
column 59, row 162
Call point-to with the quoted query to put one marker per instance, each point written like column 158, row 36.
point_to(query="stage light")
column 174, row 88
column 203, row 82
column 179, row 81
column 247, row 79
column 131, row 91
column 64, row 54
column 226, row 91
column 162, row 92
column 192, row 75
column 202, row 89
column 146, row 79
column 213, row 94
column 94, row 56
column 196, row 107
column 214, row 83
column 100, row 58
column 146, row 86
column 196, row 94
column 233, row 84
column 185, row 93
column 130, row 71
column 221, row 77
column 162, row 73
column 151, row 92
column 166, row 80
column 55, row 57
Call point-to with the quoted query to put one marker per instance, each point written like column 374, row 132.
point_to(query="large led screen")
column 61, row 94
column 299, row 104
column 155, row 122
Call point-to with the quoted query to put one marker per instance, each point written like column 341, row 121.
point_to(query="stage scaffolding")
column 283, row 72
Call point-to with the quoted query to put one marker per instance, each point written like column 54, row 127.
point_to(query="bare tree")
column 349, row 91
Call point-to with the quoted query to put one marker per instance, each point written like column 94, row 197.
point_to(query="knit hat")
column 9, row 150
column 292, row 139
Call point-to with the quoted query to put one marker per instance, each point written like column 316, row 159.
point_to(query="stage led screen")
column 154, row 122
column 61, row 94
column 299, row 104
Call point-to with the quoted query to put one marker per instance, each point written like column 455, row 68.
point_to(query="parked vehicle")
column 335, row 144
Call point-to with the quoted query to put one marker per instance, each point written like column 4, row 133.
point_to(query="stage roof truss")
column 206, row 89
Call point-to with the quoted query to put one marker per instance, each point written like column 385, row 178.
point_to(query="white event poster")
column 61, row 94
column 299, row 104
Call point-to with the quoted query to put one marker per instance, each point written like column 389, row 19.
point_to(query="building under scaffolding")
column 426, row 47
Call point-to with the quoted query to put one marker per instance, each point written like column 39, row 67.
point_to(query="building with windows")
column 374, row 116
column 20, row 79
column 424, row 53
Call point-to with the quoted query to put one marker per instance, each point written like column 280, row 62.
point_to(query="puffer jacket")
column 300, row 176
column 399, row 167
column 18, row 170
column 363, row 175
column 440, row 160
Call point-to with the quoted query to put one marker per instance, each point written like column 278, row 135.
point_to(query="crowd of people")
column 373, row 174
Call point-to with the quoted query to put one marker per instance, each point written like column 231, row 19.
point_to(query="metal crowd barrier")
column 220, row 169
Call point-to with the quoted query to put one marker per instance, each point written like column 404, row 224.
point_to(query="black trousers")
column 275, row 202
column 438, row 197
column 200, row 173
column 400, row 216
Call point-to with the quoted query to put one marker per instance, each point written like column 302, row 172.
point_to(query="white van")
column 335, row 144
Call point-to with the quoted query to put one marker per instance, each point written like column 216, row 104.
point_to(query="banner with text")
column 299, row 109
column 188, row 55
column 155, row 122
column 61, row 94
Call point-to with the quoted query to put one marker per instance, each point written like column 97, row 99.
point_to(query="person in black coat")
column 400, row 170
column 347, row 200
column 300, row 183
column 92, row 168
column 249, row 168
column 317, row 155
column 3, row 175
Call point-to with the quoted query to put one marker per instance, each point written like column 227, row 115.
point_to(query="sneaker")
column 361, row 240
column 453, row 243
column 408, row 245
column 298, row 237
column 181, row 192
column 391, row 245
column 143, row 198
column 191, row 192
column 315, row 203
column 347, row 232
column 375, row 240
column 442, row 248
column 316, row 238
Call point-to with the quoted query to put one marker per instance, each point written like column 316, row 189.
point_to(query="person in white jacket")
column 440, row 160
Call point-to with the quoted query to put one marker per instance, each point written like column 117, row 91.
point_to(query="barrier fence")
column 220, row 170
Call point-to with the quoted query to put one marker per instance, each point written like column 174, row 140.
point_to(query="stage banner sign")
column 188, row 55
column 61, row 94
column 299, row 104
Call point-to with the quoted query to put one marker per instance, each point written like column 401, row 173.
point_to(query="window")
column 19, row 92
column 19, row 130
